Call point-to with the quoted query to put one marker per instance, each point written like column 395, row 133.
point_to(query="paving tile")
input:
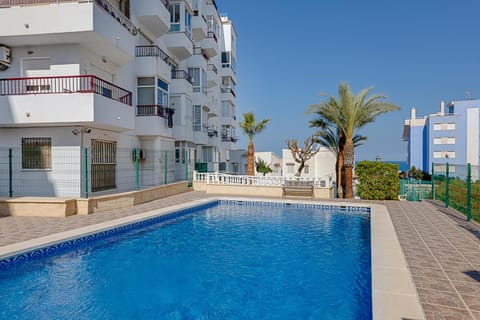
column 434, row 297
column 431, row 283
column 472, row 302
column 438, row 312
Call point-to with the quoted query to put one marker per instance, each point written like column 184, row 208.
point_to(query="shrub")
column 378, row 180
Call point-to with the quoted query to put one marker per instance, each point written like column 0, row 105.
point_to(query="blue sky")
column 414, row 52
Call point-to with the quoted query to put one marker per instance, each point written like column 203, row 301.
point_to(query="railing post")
column 469, row 192
column 137, row 165
column 10, row 173
column 166, row 165
column 85, row 173
column 446, row 187
column 433, row 181
column 186, row 164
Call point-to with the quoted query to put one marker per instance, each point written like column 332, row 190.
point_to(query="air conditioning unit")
column 5, row 57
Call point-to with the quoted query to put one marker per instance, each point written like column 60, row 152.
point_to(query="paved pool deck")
column 442, row 250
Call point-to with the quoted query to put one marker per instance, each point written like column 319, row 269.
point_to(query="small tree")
column 302, row 155
column 378, row 180
column 418, row 174
column 262, row 166
column 251, row 128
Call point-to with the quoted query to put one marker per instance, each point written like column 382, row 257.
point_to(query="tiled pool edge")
column 83, row 232
column 394, row 295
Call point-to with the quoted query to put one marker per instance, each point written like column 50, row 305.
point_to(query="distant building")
column 450, row 135
column 273, row 160
column 322, row 165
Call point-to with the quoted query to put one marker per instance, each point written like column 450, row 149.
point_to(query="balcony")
column 154, row 15
column 212, row 75
column 229, row 139
column 229, row 90
column 94, row 24
column 199, row 51
column 200, row 134
column 181, row 83
column 199, row 59
column 152, row 61
column 199, row 26
column 212, row 133
column 65, row 100
column 154, row 120
column 210, row 44
column 179, row 44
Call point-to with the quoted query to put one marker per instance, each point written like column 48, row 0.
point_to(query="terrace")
column 65, row 100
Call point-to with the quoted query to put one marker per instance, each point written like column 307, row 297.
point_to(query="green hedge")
column 378, row 180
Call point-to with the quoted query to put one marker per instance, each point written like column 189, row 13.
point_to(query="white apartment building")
column 322, row 165
column 87, row 85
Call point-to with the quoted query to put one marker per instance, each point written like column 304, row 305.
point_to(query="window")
column 444, row 140
column 225, row 108
column 195, row 74
column 290, row 167
column 188, row 24
column 36, row 153
column 443, row 126
column 306, row 169
column 174, row 10
column 162, row 93
column 199, row 79
column 197, row 118
column 149, row 94
column 225, row 59
column 444, row 154
column 103, row 164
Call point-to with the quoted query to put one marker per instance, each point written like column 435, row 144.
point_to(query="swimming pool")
column 228, row 260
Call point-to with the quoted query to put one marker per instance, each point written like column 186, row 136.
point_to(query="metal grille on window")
column 103, row 165
column 36, row 153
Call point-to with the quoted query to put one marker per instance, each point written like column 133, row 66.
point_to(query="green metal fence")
column 458, row 186
column 74, row 172
column 415, row 190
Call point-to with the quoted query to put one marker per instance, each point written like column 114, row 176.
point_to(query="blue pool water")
column 224, row 262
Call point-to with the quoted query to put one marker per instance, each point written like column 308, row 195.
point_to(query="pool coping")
column 394, row 295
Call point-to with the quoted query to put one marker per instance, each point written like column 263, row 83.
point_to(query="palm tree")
column 348, row 113
column 334, row 141
column 251, row 128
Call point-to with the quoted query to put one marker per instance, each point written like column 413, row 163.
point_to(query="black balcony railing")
column 64, row 84
column 229, row 90
column 200, row 51
column 156, row 111
column 181, row 74
column 153, row 51
column 211, row 34
column 229, row 139
column 211, row 67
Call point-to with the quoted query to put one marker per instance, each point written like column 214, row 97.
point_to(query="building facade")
column 321, row 165
column 448, row 136
column 104, row 95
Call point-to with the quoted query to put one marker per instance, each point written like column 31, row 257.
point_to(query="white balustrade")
column 268, row 181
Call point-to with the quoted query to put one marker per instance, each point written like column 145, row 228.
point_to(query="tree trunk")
column 339, row 169
column 300, row 168
column 349, row 161
column 338, row 172
column 250, row 160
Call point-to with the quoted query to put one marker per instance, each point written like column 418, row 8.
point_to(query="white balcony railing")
column 265, row 181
